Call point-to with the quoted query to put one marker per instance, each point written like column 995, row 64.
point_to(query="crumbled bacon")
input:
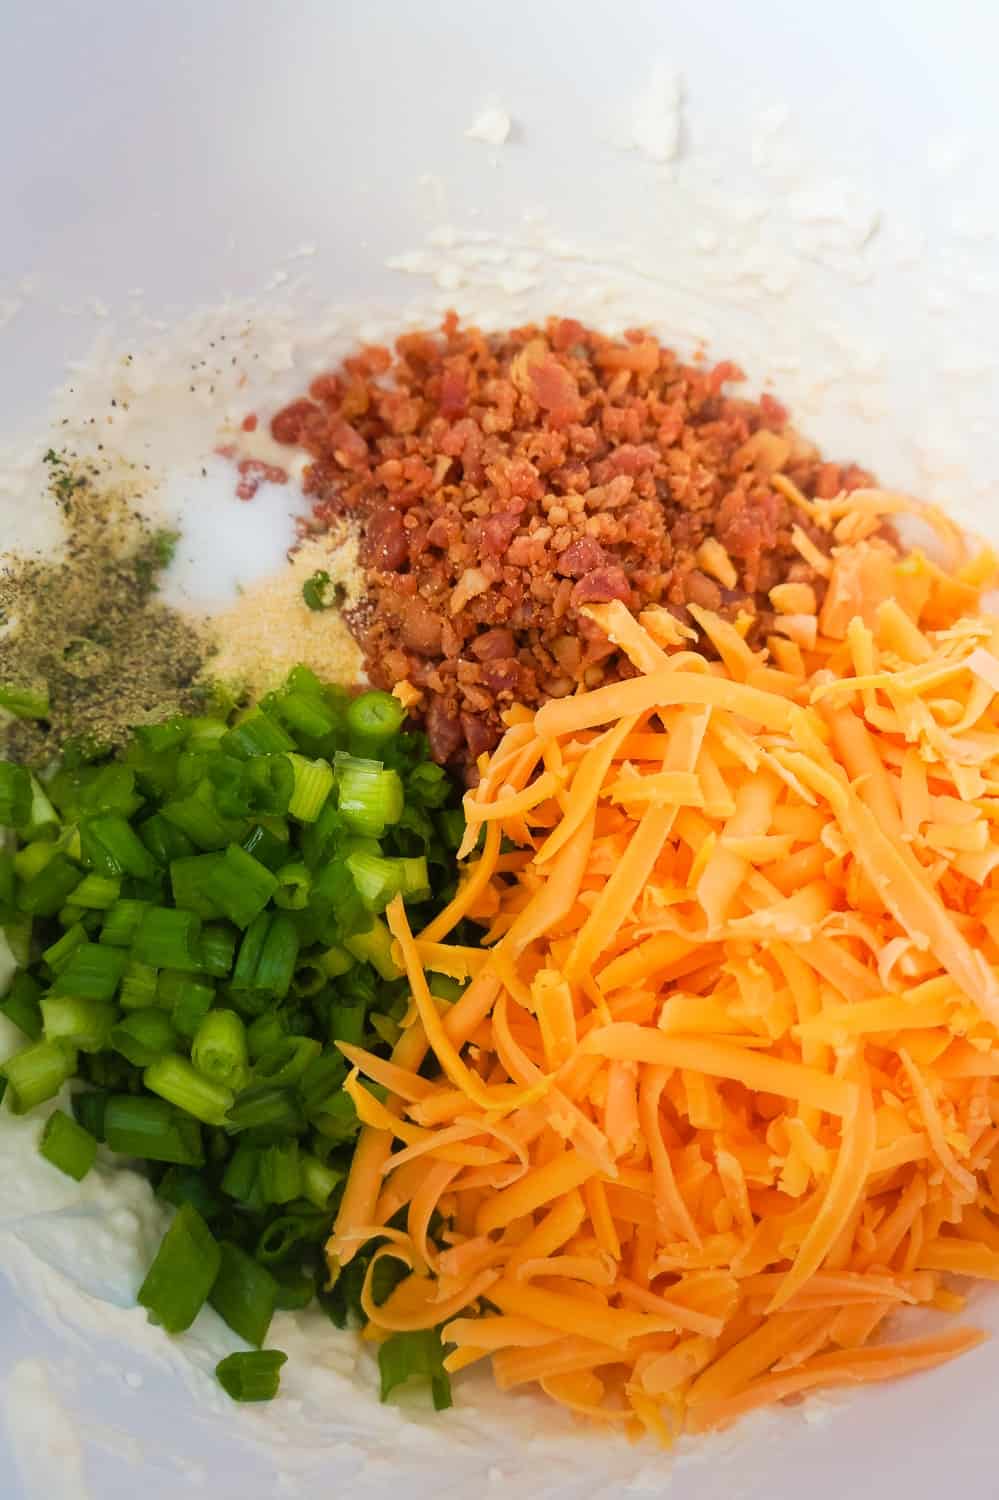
column 505, row 481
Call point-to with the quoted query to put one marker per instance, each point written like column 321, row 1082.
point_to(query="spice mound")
column 505, row 482
column 87, row 648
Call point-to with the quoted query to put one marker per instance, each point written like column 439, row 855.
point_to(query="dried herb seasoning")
column 87, row 648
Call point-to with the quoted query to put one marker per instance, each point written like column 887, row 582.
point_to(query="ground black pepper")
column 86, row 627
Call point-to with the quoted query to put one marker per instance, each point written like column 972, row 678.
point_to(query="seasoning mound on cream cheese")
column 271, row 628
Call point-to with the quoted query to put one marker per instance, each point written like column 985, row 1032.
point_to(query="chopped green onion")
column 15, row 795
column 283, row 1235
column 205, row 733
column 181, row 1277
column 8, row 888
column 143, row 1036
column 92, row 971
column 280, row 1173
column 266, row 1032
column 20, row 1005
column 122, row 922
column 67, row 1145
column 138, row 986
column 346, row 1022
column 31, row 859
column 373, row 719
column 286, row 1062
column 387, row 1030
column 322, row 1078
column 189, row 882
column 445, row 988
column 178, row 1081
column 18, row 934
column 313, row 784
column 240, row 1178
column 294, row 884
column 334, row 898
column 97, row 891
column 167, row 938
column 24, row 702
column 377, row 879
column 112, row 846
column 337, row 1120
column 403, row 1356
column 81, row 1023
column 307, row 714
column 217, row 949
column 42, row 820
column 371, row 798
column 164, row 840
column 318, row 1180
column 375, row 947
column 136, row 1125
column 253, row 1375
column 278, row 957
column 197, row 817
column 110, row 789
column 266, row 847
column 256, row 733
column 169, row 735
column 451, row 822
column 271, row 781
column 79, row 916
column 188, row 1000
column 316, row 590
column 219, row 1049
column 302, row 679
column 335, row 961
column 250, row 949
column 88, row 1110
column 46, row 892
column 265, row 1106
column 244, row 1294
column 414, row 878
column 308, row 980
column 183, row 1185
column 295, row 1290
column 37, row 1074
column 240, row 885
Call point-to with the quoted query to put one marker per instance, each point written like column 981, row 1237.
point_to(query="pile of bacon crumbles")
column 505, row 481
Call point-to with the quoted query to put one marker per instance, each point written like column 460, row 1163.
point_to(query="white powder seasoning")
column 270, row 628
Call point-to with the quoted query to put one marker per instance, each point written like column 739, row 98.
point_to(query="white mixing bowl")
column 807, row 189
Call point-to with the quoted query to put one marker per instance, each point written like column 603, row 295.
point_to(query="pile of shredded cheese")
column 721, row 1098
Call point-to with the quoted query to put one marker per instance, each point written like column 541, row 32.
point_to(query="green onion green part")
column 67, row 1145
column 183, row 1273
column 254, row 1375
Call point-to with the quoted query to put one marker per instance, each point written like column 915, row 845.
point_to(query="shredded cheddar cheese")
column 722, row 1094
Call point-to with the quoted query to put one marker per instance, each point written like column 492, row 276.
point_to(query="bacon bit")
column 291, row 424
column 454, row 394
column 250, row 422
column 537, row 373
column 569, row 468
column 473, row 581
column 253, row 472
